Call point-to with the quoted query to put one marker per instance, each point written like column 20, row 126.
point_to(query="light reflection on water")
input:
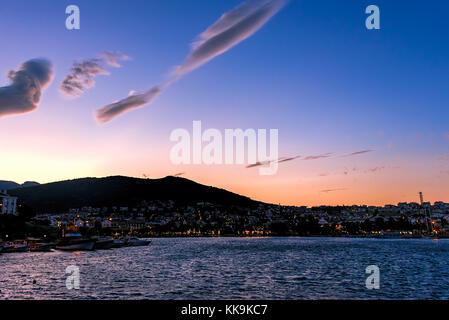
column 236, row 268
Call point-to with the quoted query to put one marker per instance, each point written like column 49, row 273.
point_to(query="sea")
column 235, row 268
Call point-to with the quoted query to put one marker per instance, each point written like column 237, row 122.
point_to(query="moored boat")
column 103, row 243
column 136, row 242
column 118, row 243
column 16, row 246
column 38, row 245
column 390, row 234
column 75, row 242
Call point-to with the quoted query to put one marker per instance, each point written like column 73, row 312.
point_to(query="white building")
column 8, row 204
column 106, row 223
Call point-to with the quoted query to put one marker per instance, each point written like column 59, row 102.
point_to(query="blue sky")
column 313, row 71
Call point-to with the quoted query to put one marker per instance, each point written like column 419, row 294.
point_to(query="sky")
column 311, row 69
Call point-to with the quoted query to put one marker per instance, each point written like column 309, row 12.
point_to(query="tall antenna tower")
column 427, row 213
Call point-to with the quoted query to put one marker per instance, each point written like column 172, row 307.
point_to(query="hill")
column 8, row 185
column 121, row 191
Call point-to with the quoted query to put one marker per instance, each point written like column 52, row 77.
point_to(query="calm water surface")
column 236, row 268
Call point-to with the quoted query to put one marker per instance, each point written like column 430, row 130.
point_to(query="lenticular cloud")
column 110, row 111
column 27, row 84
column 229, row 30
column 232, row 28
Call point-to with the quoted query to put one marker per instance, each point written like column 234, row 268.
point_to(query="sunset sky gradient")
column 313, row 71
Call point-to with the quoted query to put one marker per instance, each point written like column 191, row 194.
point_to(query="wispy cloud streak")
column 82, row 73
column 266, row 162
column 179, row 174
column 333, row 190
column 110, row 111
column 232, row 28
column 112, row 58
column 357, row 153
column 288, row 159
column 27, row 84
column 321, row 156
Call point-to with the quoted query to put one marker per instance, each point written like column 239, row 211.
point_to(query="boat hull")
column 12, row 249
column 139, row 243
column 118, row 244
column 42, row 248
column 104, row 244
column 80, row 246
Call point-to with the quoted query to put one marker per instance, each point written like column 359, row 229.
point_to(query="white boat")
column 75, row 242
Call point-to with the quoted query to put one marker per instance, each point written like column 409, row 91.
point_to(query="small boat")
column 75, row 242
column 16, row 246
column 103, row 243
column 42, row 247
column 136, row 242
column 390, row 234
column 37, row 245
column 410, row 235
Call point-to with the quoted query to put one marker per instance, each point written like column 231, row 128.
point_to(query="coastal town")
column 172, row 219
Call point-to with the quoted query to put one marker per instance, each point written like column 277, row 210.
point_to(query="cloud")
column 357, row 153
column 370, row 170
column 333, row 190
column 258, row 164
column 112, row 110
column 324, row 174
column 112, row 58
column 321, row 156
column 25, row 91
column 375, row 169
column 232, row 28
column 82, row 76
column 179, row 174
column 280, row 160
column 288, row 159
column 82, row 73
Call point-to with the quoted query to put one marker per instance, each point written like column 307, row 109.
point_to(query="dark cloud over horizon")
column 27, row 84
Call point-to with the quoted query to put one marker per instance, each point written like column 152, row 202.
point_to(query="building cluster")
column 8, row 204
column 167, row 218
